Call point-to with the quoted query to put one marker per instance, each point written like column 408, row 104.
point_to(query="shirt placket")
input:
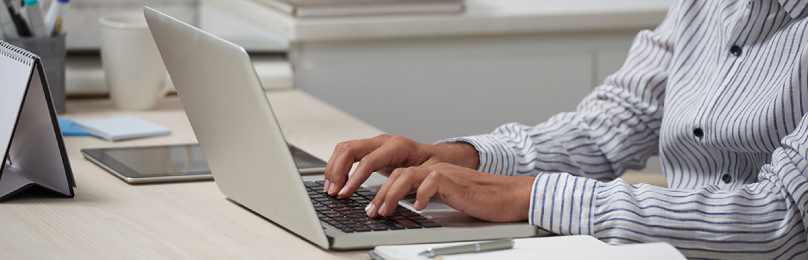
column 735, row 50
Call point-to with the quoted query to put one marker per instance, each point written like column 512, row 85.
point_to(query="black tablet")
column 149, row 164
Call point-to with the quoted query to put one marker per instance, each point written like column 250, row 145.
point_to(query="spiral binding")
column 17, row 53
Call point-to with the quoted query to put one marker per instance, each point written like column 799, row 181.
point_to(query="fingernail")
column 332, row 189
column 326, row 185
column 417, row 205
column 342, row 191
column 384, row 206
column 370, row 208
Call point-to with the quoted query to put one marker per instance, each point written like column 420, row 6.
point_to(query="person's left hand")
column 485, row 196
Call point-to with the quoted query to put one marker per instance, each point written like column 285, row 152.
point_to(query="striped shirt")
column 719, row 91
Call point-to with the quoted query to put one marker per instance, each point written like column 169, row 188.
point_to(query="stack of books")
column 319, row 8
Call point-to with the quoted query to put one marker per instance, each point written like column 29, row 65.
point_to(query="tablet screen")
column 161, row 160
column 154, row 162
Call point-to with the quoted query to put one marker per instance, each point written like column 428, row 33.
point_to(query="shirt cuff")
column 563, row 204
column 496, row 156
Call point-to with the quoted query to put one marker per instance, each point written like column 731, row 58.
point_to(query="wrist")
column 522, row 195
column 459, row 153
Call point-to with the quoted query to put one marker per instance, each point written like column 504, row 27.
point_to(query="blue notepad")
column 68, row 128
column 121, row 128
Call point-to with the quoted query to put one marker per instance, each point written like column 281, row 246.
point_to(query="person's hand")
column 485, row 196
column 383, row 154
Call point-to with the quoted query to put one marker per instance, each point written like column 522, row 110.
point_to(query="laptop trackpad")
column 436, row 209
column 447, row 216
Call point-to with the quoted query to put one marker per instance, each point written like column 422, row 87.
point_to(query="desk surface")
column 110, row 219
column 481, row 17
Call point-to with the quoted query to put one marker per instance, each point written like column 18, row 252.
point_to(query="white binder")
column 30, row 140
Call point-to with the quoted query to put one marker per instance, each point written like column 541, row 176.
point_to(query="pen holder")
column 51, row 51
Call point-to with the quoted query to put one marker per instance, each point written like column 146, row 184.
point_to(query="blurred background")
column 427, row 75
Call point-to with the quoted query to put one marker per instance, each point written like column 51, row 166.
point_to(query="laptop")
column 251, row 163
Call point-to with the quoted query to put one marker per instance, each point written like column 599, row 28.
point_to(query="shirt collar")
column 793, row 7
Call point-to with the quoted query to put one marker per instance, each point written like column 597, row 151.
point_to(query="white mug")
column 133, row 68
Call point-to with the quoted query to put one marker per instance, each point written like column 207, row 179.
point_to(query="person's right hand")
column 383, row 154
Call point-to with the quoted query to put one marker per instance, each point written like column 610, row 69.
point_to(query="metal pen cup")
column 52, row 52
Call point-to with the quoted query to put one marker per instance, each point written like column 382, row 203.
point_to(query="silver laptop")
column 252, row 165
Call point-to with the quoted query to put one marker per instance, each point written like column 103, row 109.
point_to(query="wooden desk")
column 110, row 219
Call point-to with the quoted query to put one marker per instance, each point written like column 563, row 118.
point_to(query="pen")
column 34, row 13
column 22, row 26
column 500, row 244
column 8, row 23
column 55, row 16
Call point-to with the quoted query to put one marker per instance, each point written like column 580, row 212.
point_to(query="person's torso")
column 737, row 86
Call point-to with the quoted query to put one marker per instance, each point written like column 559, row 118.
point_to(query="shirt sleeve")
column 615, row 128
column 764, row 220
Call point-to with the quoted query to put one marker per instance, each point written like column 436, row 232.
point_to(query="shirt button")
column 698, row 132
column 726, row 178
column 735, row 50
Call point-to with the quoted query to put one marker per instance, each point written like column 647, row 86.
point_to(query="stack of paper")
column 312, row 8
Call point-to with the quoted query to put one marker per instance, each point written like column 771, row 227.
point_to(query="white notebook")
column 30, row 140
column 121, row 128
column 558, row 247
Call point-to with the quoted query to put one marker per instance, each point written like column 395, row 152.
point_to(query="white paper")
column 13, row 83
column 656, row 251
column 520, row 244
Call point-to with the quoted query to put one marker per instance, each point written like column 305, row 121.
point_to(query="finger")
column 407, row 182
column 431, row 162
column 395, row 151
column 373, row 211
column 427, row 190
column 345, row 154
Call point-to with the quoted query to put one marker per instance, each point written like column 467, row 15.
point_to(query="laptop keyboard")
column 349, row 214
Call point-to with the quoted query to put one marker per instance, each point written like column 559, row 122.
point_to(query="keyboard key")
column 366, row 218
column 393, row 225
column 417, row 218
column 408, row 213
column 377, row 227
column 347, row 229
column 409, row 224
column 343, row 219
column 431, row 225
column 402, row 209
column 362, row 229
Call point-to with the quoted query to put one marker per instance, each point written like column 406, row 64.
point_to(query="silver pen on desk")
column 500, row 244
